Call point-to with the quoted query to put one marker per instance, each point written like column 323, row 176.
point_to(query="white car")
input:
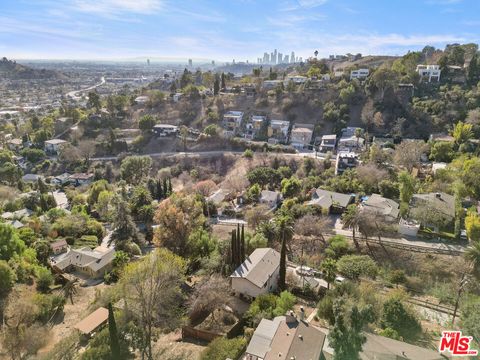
column 304, row 271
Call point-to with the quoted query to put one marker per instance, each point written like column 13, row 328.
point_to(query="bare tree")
column 311, row 228
column 208, row 296
column 86, row 149
column 256, row 215
column 370, row 175
column 408, row 153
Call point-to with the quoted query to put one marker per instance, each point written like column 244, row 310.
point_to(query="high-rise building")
column 279, row 58
column 300, row 59
column 292, row 57
column 213, row 62
column 190, row 62
column 265, row 58
column 274, row 56
column 285, row 60
column 148, row 61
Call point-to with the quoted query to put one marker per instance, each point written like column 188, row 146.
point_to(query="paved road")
column 73, row 94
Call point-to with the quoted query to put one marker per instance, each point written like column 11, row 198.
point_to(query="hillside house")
column 258, row 274
column 93, row 263
column 438, row 205
column 359, row 74
column 349, row 140
column 162, row 130
column 93, row 322
column 278, row 130
column 328, row 143
column 254, row 126
column 232, row 120
column 345, row 160
column 301, row 137
column 429, row 72
column 15, row 145
column 54, row 146
column 270, row 198
column 379, row 205
column 59, row 247
column 79, row 179
column 333, row 202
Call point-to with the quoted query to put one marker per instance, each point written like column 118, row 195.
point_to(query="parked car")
column 304, row 271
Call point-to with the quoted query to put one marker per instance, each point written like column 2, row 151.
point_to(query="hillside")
column 10, row 69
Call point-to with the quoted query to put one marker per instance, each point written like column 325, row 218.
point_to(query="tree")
column 329, row 271
column 222, row 348
column 407, row 188
column 124, row 229
column 10, row 243
column 94, row 100
column 337, row 247
column 146, row 123
column 208, row 296
column 346, row 337
column 354, row 266
column 395, row 316
column 462, row 133
column 285, row 229
column 223, row 83
column 7, row 278
column 135, row 168
column 291, row 187
column 216, row 86
column 177, row 217
column 442, row 151
column 44, row 278
column 350, row 219
column 472, row 225
column 408, row 153
column 368, row 111
column 151, row 289
column 112, row 330
column 211, row 130
column 70, row 289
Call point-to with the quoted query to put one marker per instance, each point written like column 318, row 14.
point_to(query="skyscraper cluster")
column 278, row 58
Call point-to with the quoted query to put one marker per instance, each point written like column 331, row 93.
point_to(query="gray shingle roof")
column 380, row 205
column 325, row 199
column 259, row 266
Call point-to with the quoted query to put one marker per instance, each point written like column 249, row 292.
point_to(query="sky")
column 229, row 29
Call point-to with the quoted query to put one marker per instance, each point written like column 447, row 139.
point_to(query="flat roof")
column 92, row 321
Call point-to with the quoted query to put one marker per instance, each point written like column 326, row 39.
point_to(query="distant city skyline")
column 222, row 31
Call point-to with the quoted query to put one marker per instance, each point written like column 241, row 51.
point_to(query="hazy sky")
column 227, row 29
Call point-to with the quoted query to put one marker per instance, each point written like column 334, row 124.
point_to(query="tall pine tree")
column 112, row 329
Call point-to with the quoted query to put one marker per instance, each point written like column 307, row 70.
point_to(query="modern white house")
column 165, row 130
column 54, row 146
column 429, row 72
column 297, row 79
column 254, row 126
column 345, row 160
column 349, row 141
column 257, row 275
column 328, row 143
column 359, row 74
column 301, row 137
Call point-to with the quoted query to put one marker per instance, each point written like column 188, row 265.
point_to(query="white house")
column 328, row 143
column 429, row 72
column 345, row 160
column 54, row 146
column 301, row 137
column 359, row 74
column 141, row 99
column 349, row 141
column 278, row 129
column 297, row 79
column 258, row 274
column 254, row 126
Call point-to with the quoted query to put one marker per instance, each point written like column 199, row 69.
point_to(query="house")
column 379, row 348
column 31, row 178
column 177, row 97
column 441, row 137
column 162, row 130
column 93, row 322
column 443, row 204
column 296, row 79
column 271, row 84
column 301, row 137
column 258, row 274
column 278, row 130
column 345, row 160
column 254, row 127
column 328, row 143
column 359, row 74
column 270, row 198
column 438, row 166
column 378, row 205
column 81, row 179
column 17, row 215
column 15, row 145
column 232, row 120
column 94, row 263
column 59, row 247
column 15, row 223
column 349, row 140
column 429, row 72
column 285, row 338
column 61, row 179
column 331, row 201
column 61, row 200
column 53, row 146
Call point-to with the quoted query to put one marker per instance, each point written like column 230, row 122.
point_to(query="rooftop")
column 259, row 266
column 93, row 321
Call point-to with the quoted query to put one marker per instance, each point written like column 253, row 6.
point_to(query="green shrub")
column 354, row 266
column 222, row 348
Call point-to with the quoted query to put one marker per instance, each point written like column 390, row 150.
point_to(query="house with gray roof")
column 379, row 205
column 94, row 263
column 258, row 274
column 270, row 198
column 331, row 201
column 433, row 210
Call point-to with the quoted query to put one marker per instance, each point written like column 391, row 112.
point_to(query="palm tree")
column 329, row 271
column 351, row 219
column 285, row 230
column 316, row 53
column 70, row 289
column 462, row 132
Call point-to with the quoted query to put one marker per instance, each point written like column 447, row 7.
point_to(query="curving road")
column 74, row 94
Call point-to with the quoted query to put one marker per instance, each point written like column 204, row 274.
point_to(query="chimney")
column 290, row 318
column 302, row 313
column 438, row 195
